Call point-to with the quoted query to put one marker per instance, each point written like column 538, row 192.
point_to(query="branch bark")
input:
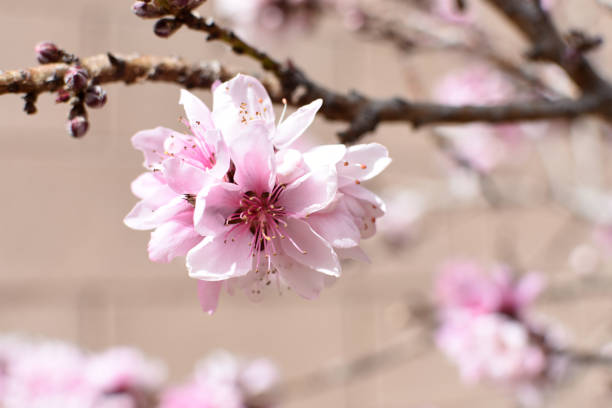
column 361, row 112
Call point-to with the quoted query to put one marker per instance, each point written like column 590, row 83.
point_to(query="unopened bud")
column 63, row 96
column 76, row 79
column 95, row 97
column 47, row 52
column 77, row 126
column 166, row 27
column 146, row 9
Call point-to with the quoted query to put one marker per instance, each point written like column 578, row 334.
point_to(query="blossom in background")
column 485, row 328
column 484, row 146
column 222, row 381
column 399, row 225
column 52, row 374
column 256, row 17
column 246, row 204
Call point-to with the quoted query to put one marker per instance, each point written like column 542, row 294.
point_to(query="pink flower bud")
column 77, row 126
column 95, row 97
column 47, row 52
column 76, row 79
column 166, row 27
column 63, row 96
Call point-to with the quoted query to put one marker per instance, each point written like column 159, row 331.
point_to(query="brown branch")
column 363, row 113
column 547, row 44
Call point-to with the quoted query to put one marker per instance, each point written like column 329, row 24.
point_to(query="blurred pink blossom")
column 468, row 286
column 222, row 381
column 491, row 347
column 486, row 329
column 484, row 146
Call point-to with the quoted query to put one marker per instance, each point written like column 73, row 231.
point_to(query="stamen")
column 284, row 111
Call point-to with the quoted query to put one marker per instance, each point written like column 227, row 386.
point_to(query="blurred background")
column 71, row 269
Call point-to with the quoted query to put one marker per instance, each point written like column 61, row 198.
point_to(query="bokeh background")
column 71, row 270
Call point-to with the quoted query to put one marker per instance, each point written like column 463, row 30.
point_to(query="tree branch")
column 361, row 112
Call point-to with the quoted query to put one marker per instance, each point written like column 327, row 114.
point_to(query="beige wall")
column 70, row 269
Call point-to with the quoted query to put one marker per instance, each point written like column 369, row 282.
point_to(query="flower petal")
column 151, row 143
column 197, row 112
column 336, row 225
column 146, row 214
column 147, row 184
column 324, row 155
column 311, row 192
column 307, row 247
column 216, row 259
column 305, row 281
column 214, row 204
column 239, row 102
column 183, row 178
column 364, row 161
column 253, row 156
column 208, row 294
column 173, row 238
column 355, row 253
column 222, row 153
column 295, row 125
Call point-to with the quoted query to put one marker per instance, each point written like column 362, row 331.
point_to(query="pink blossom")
column 485, row 328
column 484, row 146
column 124, row 370
column 49, row 375
column 245, row 204
column 467, row 286
column 400, row 224
column 180, row 165
column 491, row 347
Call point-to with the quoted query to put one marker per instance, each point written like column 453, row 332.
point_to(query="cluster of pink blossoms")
column 52, row 374
column 245, row 205
column 485, row 330
column 55, row 374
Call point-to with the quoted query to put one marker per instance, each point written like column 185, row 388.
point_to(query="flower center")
column 263, row 217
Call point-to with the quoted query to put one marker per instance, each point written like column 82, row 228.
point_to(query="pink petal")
column 305, row 281
column 151, row 143
column 155, row 210
column 214, row 204
column 222, row 153
column 295, row 125
column 528, row 289
column 173, row 238
column 253, row 156
column 313, row 251
column 147, row 184
column 184, row 178
column 364, row 161
column 208, row 294
column 355, row 253
column 197, row 112
column 336, row 226
column 311, row 192
column 217, row 259
column 240, row 102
